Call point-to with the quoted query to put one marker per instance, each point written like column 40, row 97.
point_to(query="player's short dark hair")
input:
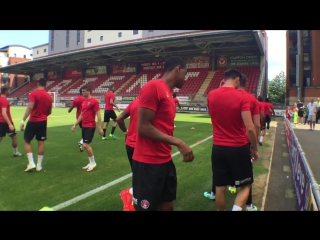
column 174, row 94
column 42, row 82
column 260, row 99
column 243, row 80
column 4, row 89
column 80, row 91
column 172, row 62
column 87, row 88
column 232, row 74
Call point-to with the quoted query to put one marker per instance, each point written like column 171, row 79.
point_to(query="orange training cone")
column 199, row 141
column 192, row 128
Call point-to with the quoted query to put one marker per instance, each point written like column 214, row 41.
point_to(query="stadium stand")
column 25, row 88
column 194, row 80
column 252, row 74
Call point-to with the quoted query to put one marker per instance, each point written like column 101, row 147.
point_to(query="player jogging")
column 6, row 123
column 263, row 119
column 130, row 140
column 109, row 113
column 39, row 108
column 176, row 101
column 269, row 109
column 77, row 102
column 154, row 177
column 231, row 157
column 90, row 109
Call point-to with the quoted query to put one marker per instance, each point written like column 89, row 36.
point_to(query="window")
column 151, row 30
column 15, row 55
column 89, row 40
column 45, row 50
column 305, row 33
column 78, row 37
column 67, row 38
column 119, row 34
column 89, row 30
column 101, row 38
column 306, row 57
column 52, row 40
column 135, row 32
column 306, row 68
column 306, row 41
column 24, row 56
column 37, row 51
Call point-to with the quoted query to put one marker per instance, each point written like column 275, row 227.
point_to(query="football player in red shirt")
column 39, row 108
column 231, row 150
column 130, row 141
column 90, row 109
column 77, row 102
column 109, row 113
column 6, row 123
column 263, row 107
column 154, row 177
column 176, row 101
column 269, row 110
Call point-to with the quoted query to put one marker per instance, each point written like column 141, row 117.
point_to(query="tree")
column 277, row 88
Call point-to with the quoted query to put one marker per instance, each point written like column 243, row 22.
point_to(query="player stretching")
column 109, row 113
column 77, row 102
column 90, row 108
column 6, row 123
column 231, row 157
column 154, row 177
column 130, row 140
column 39, row 108
column 176, row 101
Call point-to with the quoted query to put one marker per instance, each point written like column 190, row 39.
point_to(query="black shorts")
column 88, row 134
column 80, row 124
column 35, row 129
column 153, row 184
column 300, row 113
column 130, row 151
column 4, row 130
column 268, row 118
column 109, row 114
column 232, row 166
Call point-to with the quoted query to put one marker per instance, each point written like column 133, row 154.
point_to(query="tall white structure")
column 40, row 51
column 67, row 40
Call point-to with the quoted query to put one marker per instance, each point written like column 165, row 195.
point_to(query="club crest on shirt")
column 145, row 204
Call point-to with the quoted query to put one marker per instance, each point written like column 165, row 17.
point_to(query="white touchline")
column 110, row 184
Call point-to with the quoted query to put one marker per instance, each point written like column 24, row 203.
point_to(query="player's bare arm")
column 263, row 117
column 113, row 104
column 70, row 109
column 147, row 130
column 26, row 115
column 6, row 118
column 256, row 122
column 120, row 120
column 251, row 132
column 179, row 105
column 99, row 122
column 77, row 122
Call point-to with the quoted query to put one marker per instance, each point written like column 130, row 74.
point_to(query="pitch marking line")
column 110, row 184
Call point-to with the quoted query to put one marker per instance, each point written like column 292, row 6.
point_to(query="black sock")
column 104, row 132
column 249, row 201
column 112, row 130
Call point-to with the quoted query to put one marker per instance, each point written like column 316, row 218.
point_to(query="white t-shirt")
column 312, row 107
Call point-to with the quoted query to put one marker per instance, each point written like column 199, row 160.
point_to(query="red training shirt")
column 77, row 102
column 107, row 97
column 156, row 96
column 4, row 103
column 42, row 104
column 254, row 105
column 132, row 109
column 225, row 105
column 268, row 107
column 176, row 101
column 89, row 108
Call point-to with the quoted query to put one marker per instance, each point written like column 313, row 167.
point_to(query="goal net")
column 54, row 97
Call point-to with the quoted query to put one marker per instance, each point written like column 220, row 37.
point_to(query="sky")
column 276, row 45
